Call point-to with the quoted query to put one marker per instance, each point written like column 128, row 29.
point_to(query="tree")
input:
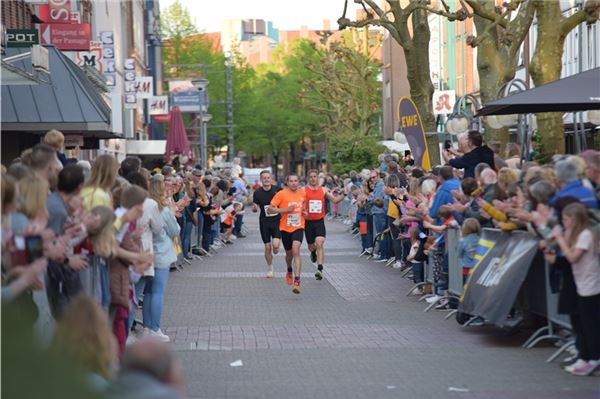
column 410, row 29
column 343, row 89
column 176, row 23
column 546, row 63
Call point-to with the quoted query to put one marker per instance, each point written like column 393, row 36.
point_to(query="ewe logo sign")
column 412, row 127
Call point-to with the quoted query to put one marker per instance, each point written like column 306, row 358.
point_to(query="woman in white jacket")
column 164, row 256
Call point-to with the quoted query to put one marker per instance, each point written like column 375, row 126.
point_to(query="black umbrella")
column 580, row 92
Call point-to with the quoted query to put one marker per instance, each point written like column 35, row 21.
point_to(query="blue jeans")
column 380, row 220
column 154, row 296
column 186, row 237
column 418, row 272
column 206, row 239
column 369, row 230
column 105, row 286
column 200, row 228
column 237, row 229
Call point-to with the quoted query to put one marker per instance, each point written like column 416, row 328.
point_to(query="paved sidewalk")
column 352, row 335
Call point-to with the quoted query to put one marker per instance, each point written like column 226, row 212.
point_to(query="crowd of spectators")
column 403, row 214
column 86, row 245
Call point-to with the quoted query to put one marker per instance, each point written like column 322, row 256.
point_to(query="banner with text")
column 412, row 127
column 494, row 282
column 185, row 96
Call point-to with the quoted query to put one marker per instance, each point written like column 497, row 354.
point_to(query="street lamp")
column 461, row 120
column 201, row 85
column 524, row 122
column 205, row 118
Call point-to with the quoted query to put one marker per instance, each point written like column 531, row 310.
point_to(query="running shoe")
column 289, row 278
column 318, row 275
column 269, row 274
column 313, row 256
column 296, row 289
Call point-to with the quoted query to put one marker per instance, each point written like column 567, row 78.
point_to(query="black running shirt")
column 263, row 198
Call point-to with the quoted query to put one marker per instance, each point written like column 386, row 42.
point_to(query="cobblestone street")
column 352, row 335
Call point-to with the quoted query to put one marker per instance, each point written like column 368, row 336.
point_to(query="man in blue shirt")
column 571, row 185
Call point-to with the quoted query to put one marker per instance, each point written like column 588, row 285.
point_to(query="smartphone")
column 447, row 144
column 34, row 247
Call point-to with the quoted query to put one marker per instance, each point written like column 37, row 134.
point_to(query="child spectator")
column 467, row 246
column 580, row 246
column 417, row 245
column 231, row 214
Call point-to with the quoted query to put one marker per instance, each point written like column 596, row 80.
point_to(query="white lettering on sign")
column 60, row 10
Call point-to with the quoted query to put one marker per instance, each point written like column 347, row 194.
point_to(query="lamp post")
column 201, row 85
column 461, row 120
column 205, row 118
column 523, row 121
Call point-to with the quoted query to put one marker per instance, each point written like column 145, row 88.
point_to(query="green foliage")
column 353, row 152
column 541, row 155
column 176, row 23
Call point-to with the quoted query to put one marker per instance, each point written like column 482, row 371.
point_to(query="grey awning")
column 71, row 103
column 580, row 92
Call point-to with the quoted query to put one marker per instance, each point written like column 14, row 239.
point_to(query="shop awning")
column 70, row 103
column 580, row 92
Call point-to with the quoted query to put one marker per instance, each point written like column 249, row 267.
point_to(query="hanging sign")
column 158, row 105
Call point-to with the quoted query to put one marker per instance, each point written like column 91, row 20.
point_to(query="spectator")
column 467, row 247
column 513, row 155
column 580, row 246
column 570, row 185
column 83, row 336
column 164, row 256
column 148, row 371
column 42, row 161
column 56, row 139
column 478, row 153
column 498, row 161
column 593, row 172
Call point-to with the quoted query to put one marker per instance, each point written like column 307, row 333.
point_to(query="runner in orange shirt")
column 290, row 204
column 315, row 219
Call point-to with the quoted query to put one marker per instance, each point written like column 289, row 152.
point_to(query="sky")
column 285, row 14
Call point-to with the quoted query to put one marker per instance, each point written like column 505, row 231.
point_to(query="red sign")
column 66, row 36
column 56, row 12
column 166, row 118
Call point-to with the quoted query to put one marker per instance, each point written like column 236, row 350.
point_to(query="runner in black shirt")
column 269, row 223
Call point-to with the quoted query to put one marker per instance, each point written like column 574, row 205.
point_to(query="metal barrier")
column 553, row 318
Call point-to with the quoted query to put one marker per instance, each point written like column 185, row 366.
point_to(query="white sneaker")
column 576, row 365
column 432, row 299
column 270, row 274
column 380, row 260
column 160, row 335
column 130, row 339
column 376, row 257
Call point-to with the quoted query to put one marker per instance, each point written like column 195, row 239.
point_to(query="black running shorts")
column 314, row 229
column 268, row 230
column 289, row 238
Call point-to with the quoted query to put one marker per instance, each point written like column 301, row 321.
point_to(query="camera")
column 447, row 144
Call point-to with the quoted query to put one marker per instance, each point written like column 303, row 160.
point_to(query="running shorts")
column 268, row 230
column 289, row 238
column 314, row 229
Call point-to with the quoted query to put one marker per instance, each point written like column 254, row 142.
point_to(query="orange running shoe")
column 289, row 278
column 296, row 289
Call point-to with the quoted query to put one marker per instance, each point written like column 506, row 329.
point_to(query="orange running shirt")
column 315, row 200
column 291, row 221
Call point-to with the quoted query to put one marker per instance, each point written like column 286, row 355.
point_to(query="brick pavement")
column 352, row 335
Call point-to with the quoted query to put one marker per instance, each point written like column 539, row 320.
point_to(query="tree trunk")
column 545, row 67
column 493, row 71
column 419, row 78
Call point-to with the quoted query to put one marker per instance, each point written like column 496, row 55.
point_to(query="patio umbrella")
column 580, row 92
column 177, row 141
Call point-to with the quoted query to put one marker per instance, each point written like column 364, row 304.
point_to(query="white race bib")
column 293, row 220
column 267, row 213
column 315, row 206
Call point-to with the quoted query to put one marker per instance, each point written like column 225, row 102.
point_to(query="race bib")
column 293, row 220
column 267, row 213
column 315, row 206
